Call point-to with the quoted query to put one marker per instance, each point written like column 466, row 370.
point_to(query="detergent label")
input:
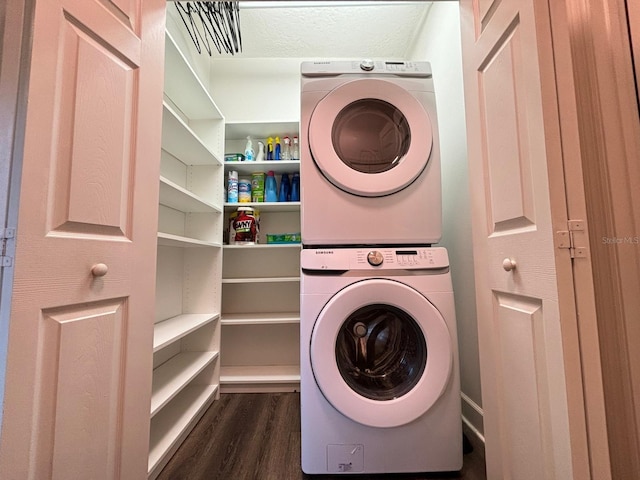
column 245, row 227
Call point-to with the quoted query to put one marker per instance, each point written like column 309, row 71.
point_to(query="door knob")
column 509, row 264
column 99, row 270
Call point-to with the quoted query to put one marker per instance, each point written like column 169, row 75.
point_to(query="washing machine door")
column 381, row 353
column 370, row 137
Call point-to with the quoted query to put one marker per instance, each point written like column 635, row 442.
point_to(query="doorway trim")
column 16, row 18
column 601, row 139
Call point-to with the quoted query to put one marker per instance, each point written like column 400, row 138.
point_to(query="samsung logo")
column 324, row 252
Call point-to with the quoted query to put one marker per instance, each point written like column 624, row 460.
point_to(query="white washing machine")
column 369, row 154
column 380, row 388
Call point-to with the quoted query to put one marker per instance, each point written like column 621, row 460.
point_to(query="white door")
column 511, row 108
column 79, row 362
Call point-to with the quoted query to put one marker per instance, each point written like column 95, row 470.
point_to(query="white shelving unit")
column 186, row 376
column 261, row 283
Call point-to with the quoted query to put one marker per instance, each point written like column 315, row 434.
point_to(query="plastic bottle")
column 295, row 149
column 249, row 154
column 270, row 148
column 285, row 188
column 244, row 190
column 295, row 187
column 286, row 148
column 276, row 155
column 270, row 188
column 232, row 187
column 260, row 156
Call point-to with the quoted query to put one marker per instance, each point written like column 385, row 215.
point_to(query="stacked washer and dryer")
column 380, row 388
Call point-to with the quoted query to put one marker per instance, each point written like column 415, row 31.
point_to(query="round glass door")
column 381, row 352
column 382, row 363
column 370, row 137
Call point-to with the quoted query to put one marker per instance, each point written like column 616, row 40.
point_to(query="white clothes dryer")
column 369, row 154
column 380, row 388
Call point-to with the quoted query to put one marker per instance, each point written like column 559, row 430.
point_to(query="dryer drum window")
column 371, row 135
column 381, row 352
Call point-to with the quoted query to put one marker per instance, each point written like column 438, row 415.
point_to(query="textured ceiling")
column 282, row 29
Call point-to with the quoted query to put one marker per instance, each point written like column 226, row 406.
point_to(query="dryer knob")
column 367, row 65
column 375, row 258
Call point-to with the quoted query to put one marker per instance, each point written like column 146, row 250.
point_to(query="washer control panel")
column 374, row 258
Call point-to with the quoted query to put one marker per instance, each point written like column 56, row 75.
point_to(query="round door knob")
column 374, row 258
column 509, row 264
column 99, row 270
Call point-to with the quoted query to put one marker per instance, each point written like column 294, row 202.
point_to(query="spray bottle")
column 249, row 154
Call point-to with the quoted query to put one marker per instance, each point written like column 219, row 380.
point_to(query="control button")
column 375, row 258
column 367, row 65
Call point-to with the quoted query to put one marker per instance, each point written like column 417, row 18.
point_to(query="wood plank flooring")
column 257, row 437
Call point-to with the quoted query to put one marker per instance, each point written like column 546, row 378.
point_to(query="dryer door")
column 370, row 137
column 381, row 353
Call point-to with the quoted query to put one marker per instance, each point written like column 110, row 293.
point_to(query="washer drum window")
column 381, row 364
column 381, row 352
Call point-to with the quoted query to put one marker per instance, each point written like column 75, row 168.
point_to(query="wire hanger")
column 216, row 23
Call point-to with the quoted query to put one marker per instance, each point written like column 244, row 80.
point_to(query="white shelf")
column 186, row 346
column 239, row 130
column 266, row 206
column 184, row 88
column 263, row 245
column 182, row 142
column 170, row 426
column 172, row 329
column 260, row 374
column 170, row 378
column 170, row 240
column 179, row 198
column 278, row 166
column 260, row 318
column 261, row 280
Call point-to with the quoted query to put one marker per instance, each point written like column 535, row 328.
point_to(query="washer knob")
column 374, row 257
column 367, row 65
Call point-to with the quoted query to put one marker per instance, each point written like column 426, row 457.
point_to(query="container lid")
column 245, row 209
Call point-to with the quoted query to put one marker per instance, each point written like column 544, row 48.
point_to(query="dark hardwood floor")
column 257, row 437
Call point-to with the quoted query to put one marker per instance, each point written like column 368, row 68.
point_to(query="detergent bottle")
column 276, row 155
column 270, row 187
column 270, row 148
column 285, row 189
column 249, row 154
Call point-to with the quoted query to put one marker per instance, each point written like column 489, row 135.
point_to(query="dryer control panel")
column 374, row 258
column 365, row 66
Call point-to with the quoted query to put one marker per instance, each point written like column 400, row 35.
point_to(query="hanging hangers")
column 218, row 22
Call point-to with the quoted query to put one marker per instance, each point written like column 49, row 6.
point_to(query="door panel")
column 82, row 359
column 506, row 61
column 79, row 361
column 96, row 115
column 485, row 10
column 520, row 370
column 504, row 105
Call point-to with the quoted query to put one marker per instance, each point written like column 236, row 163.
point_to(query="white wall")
column 257, row 89
column 439, row 43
